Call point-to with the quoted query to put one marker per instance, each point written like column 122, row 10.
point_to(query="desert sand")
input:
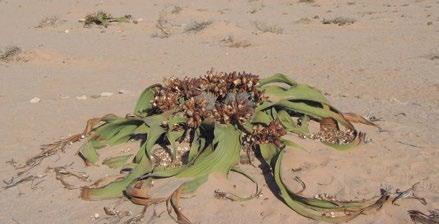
column 376, row 58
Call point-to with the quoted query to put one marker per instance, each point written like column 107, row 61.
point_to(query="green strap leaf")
column 313, row 111
column 234, row 197
column 173, row 137
column 116, row 189
column 192, row 186
column 88, row 152
column 115, row 132
column 196, row 145
column 175, row 120
column 117, row 161
column 224, row 156
column 299, row 92
column 291, row 144
column 291, row 126
column 298, row 206
column 268, row 151
column 264, row 105
column 277, row 78
column 261, row 117
column 154, row 122
column 319, row 209
column 144, row 103
column 142, row 129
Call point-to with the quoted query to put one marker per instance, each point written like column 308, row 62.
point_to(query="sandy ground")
column 385, row 64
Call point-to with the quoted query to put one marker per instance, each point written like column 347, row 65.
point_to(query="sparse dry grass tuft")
column 163, row 27
column 229, row 41
column 10, row 53
column 265, row 28
column 341, row 21
column 50, row 21
column 195, row 26
column 104, row 19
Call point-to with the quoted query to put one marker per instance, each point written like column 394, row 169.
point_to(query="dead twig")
column 419, row 217
column 61, row 172
column 408, row 144
column 16, row 180
column 138, row 218
column 409, row 193
column 302, row 184
column 162, row 26
column 53, row 148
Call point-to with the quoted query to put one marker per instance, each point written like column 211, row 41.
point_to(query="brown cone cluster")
column 222, row 97
column 269, row 134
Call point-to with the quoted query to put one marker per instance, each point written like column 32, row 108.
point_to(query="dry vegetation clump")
column 10, row 53
column 191, row 128
column 341, row 21
column 419, row 217
column 163, row 25
column 50, row 21
column 265, row 28
column 104, row 19
column 196, row 26
column 303, row 21
column 229, row 41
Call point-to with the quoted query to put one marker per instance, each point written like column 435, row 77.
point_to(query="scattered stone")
column 105, row 94
column 136, row 21
column 83, row 97
column 35, row 100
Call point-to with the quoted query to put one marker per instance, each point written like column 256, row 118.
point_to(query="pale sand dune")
column 385, row 64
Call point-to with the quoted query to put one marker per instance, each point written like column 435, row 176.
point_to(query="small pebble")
column 83, row 97
column 122, row 91
column 96, row 215
column 35, row 100
column 105, row 94
column 66, row 31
